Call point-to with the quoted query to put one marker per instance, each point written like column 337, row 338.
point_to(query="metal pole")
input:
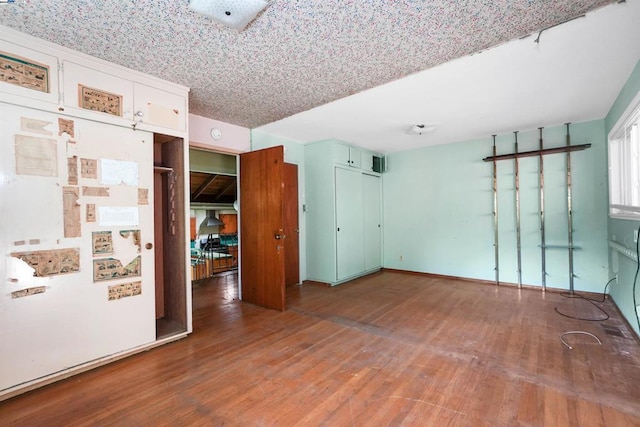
column 495, row 211
column 569, row 214
column 542, row 240
column 518, row 215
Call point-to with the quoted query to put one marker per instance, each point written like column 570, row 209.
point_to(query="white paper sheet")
column 118, row 216
column 116, row 172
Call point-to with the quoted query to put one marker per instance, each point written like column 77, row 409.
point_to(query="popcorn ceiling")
column 295, row 55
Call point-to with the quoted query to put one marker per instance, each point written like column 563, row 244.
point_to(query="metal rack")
column 516, row 155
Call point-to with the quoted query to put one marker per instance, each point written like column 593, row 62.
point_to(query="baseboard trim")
column 67, row 373
column 491, row 282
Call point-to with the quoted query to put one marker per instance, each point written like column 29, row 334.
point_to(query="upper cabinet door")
column 28, row 73
column 159, row 107
column 89, row 89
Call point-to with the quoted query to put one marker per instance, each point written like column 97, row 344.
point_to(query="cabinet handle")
column 139, row 114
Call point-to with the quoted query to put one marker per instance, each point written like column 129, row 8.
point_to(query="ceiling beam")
column 203, row 187
column 224, row 190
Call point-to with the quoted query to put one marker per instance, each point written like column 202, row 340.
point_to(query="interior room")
column 320, row 213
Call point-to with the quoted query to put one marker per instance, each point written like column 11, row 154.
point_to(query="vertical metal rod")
column 569, row 214
column 518, row 245
column 542, row 238
column 495, row 211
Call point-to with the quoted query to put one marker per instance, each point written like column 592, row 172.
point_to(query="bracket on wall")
column 564, row 149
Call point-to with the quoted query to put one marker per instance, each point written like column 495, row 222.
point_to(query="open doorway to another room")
column 213, row 214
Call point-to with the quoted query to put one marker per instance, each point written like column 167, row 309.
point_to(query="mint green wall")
column 293, row 153
column 620, row 230
column 439, row 200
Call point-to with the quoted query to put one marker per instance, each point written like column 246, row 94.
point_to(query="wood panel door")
column 262, row 228
column 291, row 226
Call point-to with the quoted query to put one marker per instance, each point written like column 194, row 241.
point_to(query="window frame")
column 623, row 146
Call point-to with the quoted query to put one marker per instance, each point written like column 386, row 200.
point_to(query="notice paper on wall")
column 118, row 216
column 116, row 172
column 36, row 156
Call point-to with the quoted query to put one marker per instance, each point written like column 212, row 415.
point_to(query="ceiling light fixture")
column 420, row 129
column 233, row 14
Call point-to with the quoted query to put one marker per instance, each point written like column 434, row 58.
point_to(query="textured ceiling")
column 296, row 55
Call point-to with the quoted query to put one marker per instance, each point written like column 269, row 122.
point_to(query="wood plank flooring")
column 388, row 349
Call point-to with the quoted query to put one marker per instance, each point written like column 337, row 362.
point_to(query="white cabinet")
column 64, row 81
column 89, row 89
column 343, row 215
column 159, row 108
column 347, row 155
column 28, row 73
column 78, row 167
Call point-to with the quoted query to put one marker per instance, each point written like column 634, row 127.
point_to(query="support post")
column 542, row 237
column 495, row 213
column 518, row 242
column 569, row 213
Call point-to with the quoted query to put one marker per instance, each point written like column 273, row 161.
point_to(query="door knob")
column 280, row 236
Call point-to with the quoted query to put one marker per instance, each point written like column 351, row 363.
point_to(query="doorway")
column 213, row 214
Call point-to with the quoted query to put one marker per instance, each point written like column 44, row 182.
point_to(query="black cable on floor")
column 635, row 279
column 591, row 301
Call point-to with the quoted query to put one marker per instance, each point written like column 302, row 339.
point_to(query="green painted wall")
column 439, row 202
column 620, row 230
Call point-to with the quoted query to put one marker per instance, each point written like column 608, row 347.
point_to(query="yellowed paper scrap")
column 36, row 156
column 143, row 196
column 111, row 268
column 66, row 126
column 91, row 212
column 98, row 100
column 72, row 170
column 71, row 211
column 51, row 262
column 89, row 168
column 23, row 72
column 164, row 116
column 134, row 234
column 35, row 126
column 124, row 290
column 95, row 191
column 28, row 292
column 102, row 242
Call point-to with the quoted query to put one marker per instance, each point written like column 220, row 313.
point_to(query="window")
column 624, row 164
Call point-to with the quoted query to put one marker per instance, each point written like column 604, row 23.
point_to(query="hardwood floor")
column 388, row 349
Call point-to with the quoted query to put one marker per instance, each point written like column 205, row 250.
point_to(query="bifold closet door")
column 372, row 219
column 349, row 223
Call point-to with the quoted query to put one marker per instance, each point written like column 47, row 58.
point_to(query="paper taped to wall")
column 36, row 156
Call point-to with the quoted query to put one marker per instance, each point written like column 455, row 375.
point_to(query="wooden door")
column 291, row 226
column 262, row 227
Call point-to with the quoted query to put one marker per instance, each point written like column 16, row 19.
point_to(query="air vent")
column 613, row 330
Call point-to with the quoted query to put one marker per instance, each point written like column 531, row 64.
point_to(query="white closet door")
column 71, row 319
column 349, row 224
column 372, row 222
